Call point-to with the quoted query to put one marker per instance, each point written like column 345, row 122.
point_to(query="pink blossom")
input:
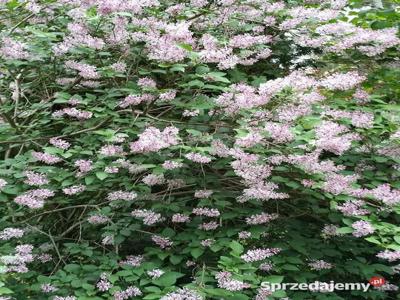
column 48, row 288
column 263, row 293
column 118, row 67
column 146, row 82
column 73, row 112
column 170, row 165
column 262, row 191
column 75, row 189
column 180, row 218
column 244, row 235
column 198, row 158
column 59, row 143
column 320, row 265
column 168, row 95
column 3, row 183
column 149, row 217
column 190, row 113
column 259, row 254
column 85, row 70
column 353, row 208
column 111, row 169
column 153, row 179
column 152, row 140
column 34, row 199
column 362, row 228
column 35, row 179
column 389, row 255
column 207, row 242
column 330, row 230
column 134, row 261
column 12, row 49
column 280, row 133
column 49, row 159
column 261, row 218
column 225, row 281
column 131, row 291
column 9, row 233
column 266, row 267
column 155, row 273
column 162, row 242
column 111, row 150
column 65, row 298
column 342, row 81
column 385, row 194
column 203, row 193
column 84, row 165
column 98, row 219
column 209, row 226
column 121, row 195
column 136, row 100
column 207, row 212
column 182, row 294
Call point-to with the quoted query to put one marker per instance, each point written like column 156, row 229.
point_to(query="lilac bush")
column 196, row 149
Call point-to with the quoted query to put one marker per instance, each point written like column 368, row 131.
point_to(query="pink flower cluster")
column 98, row 219
column 17, row 263
column 225, row 281
column 129, row 292
column 59, row 143
column 85, row 70
column 74, row 113
column 34, row 199
column 149, row 217
column 133, row 261
column 261, row 218
column 182, row 294
column 35, row 179
column 180, row 218
column 47, row 158
column 103, row 284
column 136, row 100
column 203, row 193
column 162, row 242
column 121, row 195
column 362, row 228
column 198, row 158
column 12, row 49
column 9, row 233
column 389, row 255
column 353, row 208
column 207, row 212
column 155, row 273
column 259, row 254
column 320, row 265
column 152, row 140
column 72, row 190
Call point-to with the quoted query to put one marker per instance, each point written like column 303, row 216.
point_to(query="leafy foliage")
column 193, row 150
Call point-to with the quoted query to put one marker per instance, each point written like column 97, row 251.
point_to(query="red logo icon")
column 377, row 281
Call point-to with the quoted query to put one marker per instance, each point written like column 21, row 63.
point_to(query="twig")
column 17, row 93
column 19, row 23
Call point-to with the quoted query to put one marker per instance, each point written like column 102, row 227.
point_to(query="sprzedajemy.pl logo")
column 318, row 286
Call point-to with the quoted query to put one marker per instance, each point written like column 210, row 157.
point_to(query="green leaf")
column 273, row 279
column 101, row 175
column 4, row 290
column 236, row 247
column 168, row 279
column 196, row 252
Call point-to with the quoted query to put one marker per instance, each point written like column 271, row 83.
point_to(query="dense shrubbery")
column 192, row 150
